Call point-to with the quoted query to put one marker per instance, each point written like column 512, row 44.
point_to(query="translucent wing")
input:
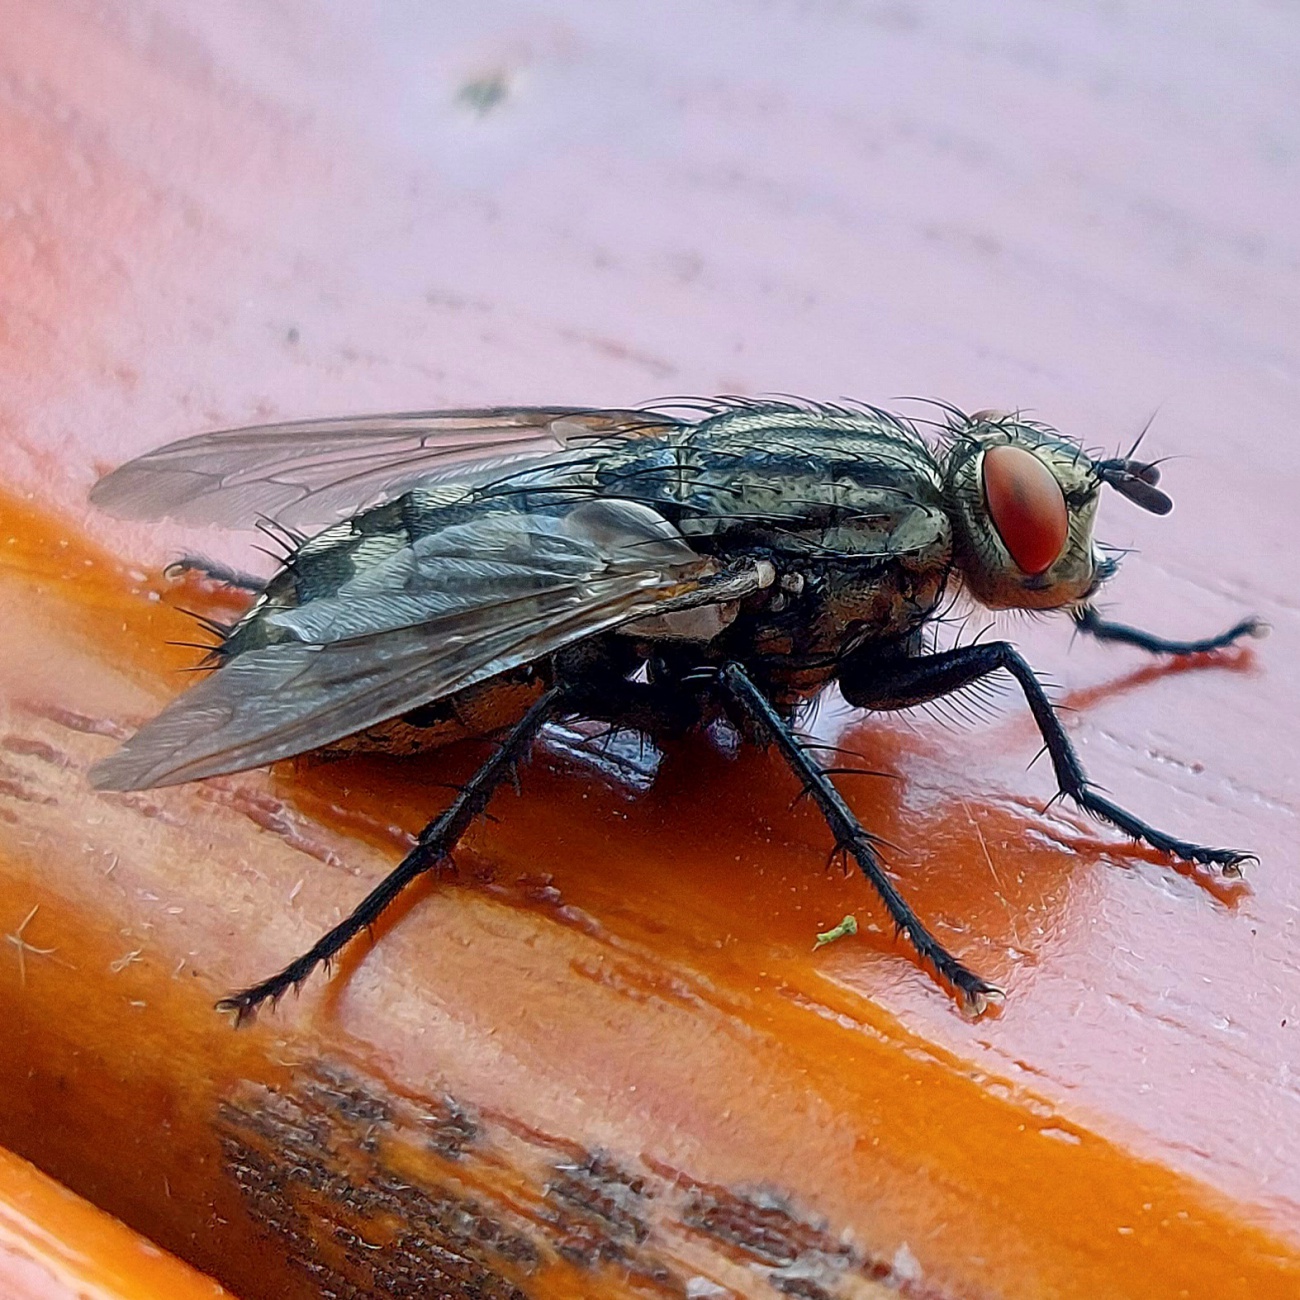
column 458, row 606
column 314, row 472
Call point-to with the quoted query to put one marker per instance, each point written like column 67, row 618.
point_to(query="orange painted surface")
column 55, row 1246
column 605, row 1059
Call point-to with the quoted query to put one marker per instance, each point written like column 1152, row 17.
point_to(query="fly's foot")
column 247, row 1002
column 1248, row 627
column 973, row 992
column 1229, row 861
column 973, row 1003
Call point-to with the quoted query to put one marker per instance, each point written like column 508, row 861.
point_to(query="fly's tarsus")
column 433, row 848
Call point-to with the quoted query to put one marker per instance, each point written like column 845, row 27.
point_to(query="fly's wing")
column 460, row 605
column 315, row 472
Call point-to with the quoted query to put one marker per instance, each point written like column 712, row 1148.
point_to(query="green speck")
column 847, row 926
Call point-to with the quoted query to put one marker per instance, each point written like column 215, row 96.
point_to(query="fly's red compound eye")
column 1027, row 507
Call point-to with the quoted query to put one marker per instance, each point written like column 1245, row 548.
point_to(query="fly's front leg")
column 898, row 684
column 1086, row 619
column 851, row 837
column 432, row 848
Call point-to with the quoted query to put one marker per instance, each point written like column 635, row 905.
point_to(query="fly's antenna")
column 1136, row 479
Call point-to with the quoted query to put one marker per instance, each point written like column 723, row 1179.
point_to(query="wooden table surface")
column 605, row 1060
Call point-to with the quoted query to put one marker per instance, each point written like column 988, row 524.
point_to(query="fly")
column 487, row 572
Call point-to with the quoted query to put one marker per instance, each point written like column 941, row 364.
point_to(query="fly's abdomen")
column 476, row 713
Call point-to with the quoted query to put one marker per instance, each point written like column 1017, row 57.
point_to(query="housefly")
column 486, row 572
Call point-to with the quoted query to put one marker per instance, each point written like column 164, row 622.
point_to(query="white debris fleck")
column 905, row 1265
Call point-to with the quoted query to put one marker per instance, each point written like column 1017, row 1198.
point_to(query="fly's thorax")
column 1022, row 501
column 816, row 483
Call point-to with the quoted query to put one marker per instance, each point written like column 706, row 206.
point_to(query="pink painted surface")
column 1089, row 211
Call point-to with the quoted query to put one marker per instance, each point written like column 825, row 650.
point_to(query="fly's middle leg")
column 901, row 683
column 432, row 848
column 1086, row 619
column 852, row 837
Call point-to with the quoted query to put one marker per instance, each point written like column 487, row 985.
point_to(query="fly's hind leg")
column 236, row 579
column 432, row 848
column 852, row 838
column 901, row 683
column 1086, row 619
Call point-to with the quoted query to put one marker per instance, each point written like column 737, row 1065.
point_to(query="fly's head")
column 1023, row 500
